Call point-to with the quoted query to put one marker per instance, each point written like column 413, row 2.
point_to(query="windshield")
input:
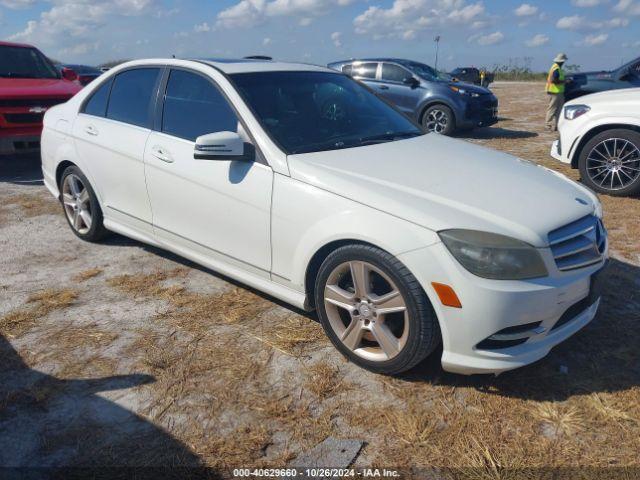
column 426, row 72
column 315, row 111
column 24, row 62
column 81, row 69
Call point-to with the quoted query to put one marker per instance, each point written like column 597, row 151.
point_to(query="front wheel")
column 374, row 310
column 439, row 119
column 610, row 162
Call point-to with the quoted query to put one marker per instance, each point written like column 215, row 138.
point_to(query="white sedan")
column 302, row 183
column 600, row 136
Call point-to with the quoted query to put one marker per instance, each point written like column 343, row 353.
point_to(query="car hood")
column 471, row 87
column 441, row 183
column 37, row 87
column 610, row 98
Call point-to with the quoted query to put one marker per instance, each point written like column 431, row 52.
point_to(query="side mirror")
column 69, row 74
column 220, row 146
column 411, row 82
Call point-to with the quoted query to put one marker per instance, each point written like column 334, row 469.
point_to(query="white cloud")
column 305, row 21
column 406, row 18
column 525, row 10
column 202, row 27
column 247, row 13
column 266, row 41
column 630, row 7
column 17, row 4
column 635, row 44
column 336, row 38
column 586, row 3
column 579, row 23
column 594, row 40
column 489, row 39
column 537, row 41
column 70, row 25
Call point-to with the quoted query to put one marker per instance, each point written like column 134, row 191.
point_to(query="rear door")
column 111, row 132
column 218, row 210
column 365, row 72
column 392, row 87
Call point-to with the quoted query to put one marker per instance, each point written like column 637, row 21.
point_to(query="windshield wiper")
column 388, row 137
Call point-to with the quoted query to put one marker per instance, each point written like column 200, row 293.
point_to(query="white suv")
column 300, row 182
column 600, row 136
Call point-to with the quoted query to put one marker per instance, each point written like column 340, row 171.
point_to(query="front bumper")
column 490, row 306
column 481, row 112
column 16, row 144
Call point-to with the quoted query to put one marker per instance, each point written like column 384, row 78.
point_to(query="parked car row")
column 429, row 97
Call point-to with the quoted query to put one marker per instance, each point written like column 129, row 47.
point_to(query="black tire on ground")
column 440, row 119
column 631, row 173
column 97, row 231
column 424, row 331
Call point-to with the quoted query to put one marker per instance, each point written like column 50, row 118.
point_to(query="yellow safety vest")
column 554, row 87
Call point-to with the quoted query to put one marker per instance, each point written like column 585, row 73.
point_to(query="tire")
column 79, row 203
column 354, row 331
column 604, row 170
column 439, row 119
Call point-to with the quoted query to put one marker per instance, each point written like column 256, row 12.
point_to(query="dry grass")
column 33, row 204
column 38, row 305
column 87, row 274
column 325, row 380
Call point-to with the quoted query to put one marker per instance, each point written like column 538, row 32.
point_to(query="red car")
column 29, row 85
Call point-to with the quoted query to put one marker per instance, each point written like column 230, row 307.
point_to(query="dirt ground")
column 121, row 354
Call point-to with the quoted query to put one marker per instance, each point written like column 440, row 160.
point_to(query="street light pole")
column 437, row 40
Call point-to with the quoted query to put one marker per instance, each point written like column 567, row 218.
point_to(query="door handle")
column 383, row 87
column 161, row 154
column 91, row 130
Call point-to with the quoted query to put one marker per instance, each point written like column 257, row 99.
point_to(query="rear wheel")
column 439, row 119
column 610, row 162
column 374, row 310
column 81, row 206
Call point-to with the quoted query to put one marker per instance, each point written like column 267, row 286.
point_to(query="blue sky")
column 594, row 33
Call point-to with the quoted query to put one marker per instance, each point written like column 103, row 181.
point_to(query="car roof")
column 12, row 44
column 376, row 59
column 244, row 65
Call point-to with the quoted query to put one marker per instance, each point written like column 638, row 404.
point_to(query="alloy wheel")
column 77, row 204
column 437, row 121
column 366, row 311
column 614, row 163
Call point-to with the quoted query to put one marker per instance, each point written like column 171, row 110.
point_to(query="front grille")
column 578, row 244
column 31, row 102
column 23, row 117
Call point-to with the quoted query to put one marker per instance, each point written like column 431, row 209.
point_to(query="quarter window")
column 347, row 69
column 393, row 73
column 193, row 106
column 364, row 70
column 97, row 104
column 131, row 96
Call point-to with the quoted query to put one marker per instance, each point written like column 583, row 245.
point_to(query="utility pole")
column 437, row 40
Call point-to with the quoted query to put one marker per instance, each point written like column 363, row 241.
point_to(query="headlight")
column 494, row 256
column 463, row 91
column 571, row 112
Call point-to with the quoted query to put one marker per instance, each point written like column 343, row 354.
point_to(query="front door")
column 405, row 97
column 218, row 210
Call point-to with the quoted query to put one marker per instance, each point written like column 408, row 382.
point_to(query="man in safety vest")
column 555, row 91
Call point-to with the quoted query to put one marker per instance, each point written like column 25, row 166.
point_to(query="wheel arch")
column 575, row 154
column 62, row 166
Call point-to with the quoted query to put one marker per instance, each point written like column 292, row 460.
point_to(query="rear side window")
column 193, row 106
column 394, row 73
column 97, row 104
column 131, row 96
column 365, row 70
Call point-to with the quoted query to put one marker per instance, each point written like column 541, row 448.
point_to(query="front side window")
column 364, row 70
column 24, row 62
column 315, row 111
column 97, row 103
column 394, row 73
column 131, row 96
column 193, row 106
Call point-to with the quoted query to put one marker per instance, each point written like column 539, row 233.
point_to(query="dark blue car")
column 627, row 76
column 431, row 98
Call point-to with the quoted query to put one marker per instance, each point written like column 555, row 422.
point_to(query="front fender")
column 599, row 123
column 306, row 218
